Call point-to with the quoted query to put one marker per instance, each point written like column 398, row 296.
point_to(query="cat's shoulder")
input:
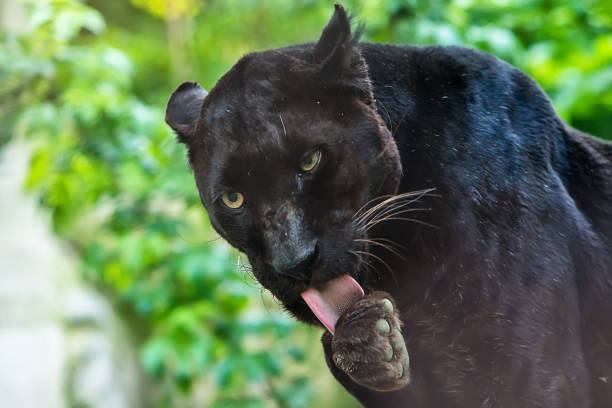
column 434, row 64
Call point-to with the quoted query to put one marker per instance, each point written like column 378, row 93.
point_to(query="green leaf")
column 153, row 356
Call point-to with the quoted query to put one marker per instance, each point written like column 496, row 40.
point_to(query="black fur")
column 506, row 301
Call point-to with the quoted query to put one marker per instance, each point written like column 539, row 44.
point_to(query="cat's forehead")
column 270, row 138
column 264, row 80
column 257, row 150
column 250, row 116
column 258, row 121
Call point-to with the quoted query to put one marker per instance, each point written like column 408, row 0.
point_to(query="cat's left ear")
column 331, row 48
column 339, row 61
column 183, row 110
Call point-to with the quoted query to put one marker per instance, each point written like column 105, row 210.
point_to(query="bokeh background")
column 114, row 289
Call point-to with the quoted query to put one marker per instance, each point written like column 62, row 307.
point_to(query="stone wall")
column 61, row 344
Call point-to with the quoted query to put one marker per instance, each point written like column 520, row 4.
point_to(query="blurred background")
column 114, row 289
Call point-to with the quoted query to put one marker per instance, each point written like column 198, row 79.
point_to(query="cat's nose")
column 300, row 266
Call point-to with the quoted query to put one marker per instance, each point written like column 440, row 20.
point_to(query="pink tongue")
column 332, row 299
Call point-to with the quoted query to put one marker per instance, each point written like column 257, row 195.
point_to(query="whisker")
column 370, row 225
column 389, row 242
column 391, row 209
column 397, row 210
column 388, row 207
column 393, row 201
column 375, row 257
column 369, row 267
column 390, row 197
column 399, row 123
column 245, row 268
column 382, row 105
column 283, row 123
column 403, row 200
column 389, row 200
column 365, row 263
column 364, row 206
column 392, row 216
column 381, row 261
column 385, row 246
column 263, row 301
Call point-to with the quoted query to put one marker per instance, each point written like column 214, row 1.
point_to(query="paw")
column 368, row 344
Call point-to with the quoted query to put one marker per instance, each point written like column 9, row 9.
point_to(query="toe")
column 383, row 326
column 400, row 372
column 388, row 352
column 387, row 305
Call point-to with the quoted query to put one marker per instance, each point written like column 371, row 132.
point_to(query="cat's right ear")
column 183, row 110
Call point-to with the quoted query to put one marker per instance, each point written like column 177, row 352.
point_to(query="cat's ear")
column 339, row 62
column 183, row 110
column 334, row 36
column 331, row 49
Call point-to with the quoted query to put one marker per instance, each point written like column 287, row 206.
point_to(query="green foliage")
column 87, row 84
column 119, row 190
column 566, row 46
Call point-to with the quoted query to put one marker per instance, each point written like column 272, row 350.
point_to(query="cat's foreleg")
column 368, row 345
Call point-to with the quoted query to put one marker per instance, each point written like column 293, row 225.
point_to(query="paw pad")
column 383, row 326
column 388, row 352
column 387, row 305
column 400, row 373
column 368, row 344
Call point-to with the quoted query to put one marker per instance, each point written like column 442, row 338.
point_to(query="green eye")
column 310, row 161
column 233, row 199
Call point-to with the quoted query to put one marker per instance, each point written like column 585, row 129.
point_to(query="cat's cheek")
column 348, row 189
column 232, row 230
column 391, row 183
